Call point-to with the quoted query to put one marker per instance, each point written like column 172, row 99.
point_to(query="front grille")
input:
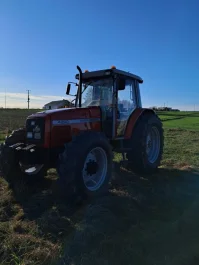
column 35, row 129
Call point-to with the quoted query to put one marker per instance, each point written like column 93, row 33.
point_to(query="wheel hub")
column 95, row 169
column 153, row 144
column 91, row 167
column 149, row 144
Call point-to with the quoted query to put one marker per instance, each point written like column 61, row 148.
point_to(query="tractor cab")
column 115, row 92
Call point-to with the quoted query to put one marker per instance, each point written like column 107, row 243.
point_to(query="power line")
column 28, row 98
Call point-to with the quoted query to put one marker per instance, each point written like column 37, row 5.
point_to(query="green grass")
column 11, row 119
column 181, row 147
column 185, row 123
column 142, row 220
column 182, row 120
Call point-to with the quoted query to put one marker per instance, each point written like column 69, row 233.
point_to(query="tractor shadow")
column 39, row 197
column 135, row 205
column 165, row 186
column 170, row 189
column 130, row 200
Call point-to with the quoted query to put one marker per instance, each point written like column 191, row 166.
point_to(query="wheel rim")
column 153, row 144
column 95, row 169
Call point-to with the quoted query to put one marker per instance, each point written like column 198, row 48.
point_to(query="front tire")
column 147, row 142
column 10, row 168
column 85, row 166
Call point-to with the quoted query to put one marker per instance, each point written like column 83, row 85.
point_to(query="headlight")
column 29, row 135
column 37, row 136
column 35, row 130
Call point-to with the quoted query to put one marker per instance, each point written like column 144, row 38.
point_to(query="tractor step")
column 124, row 163
column 122, row 150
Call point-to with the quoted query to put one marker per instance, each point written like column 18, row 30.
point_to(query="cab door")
column 127, row 103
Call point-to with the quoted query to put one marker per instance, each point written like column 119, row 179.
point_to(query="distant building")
column 57, row 104
column 164, row 109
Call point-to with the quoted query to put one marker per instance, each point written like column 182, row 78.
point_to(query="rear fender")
column 134, row 119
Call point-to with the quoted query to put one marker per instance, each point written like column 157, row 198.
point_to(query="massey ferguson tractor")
column 106, row 116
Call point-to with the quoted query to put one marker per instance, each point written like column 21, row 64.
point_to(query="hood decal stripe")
column 66, row 122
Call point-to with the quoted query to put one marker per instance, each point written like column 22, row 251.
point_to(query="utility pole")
column 5, row 98
column 28, row 98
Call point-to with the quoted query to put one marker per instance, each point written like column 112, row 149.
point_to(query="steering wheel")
column 109, row 111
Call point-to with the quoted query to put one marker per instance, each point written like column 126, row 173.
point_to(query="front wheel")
column 11, row 168
column 147, row 142
column 85, row 166
column 95, row 169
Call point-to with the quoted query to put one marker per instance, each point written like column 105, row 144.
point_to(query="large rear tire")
column 147, row 142
column 85, row 166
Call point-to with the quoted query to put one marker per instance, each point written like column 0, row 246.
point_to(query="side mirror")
column 68, row 89
column 121, row 84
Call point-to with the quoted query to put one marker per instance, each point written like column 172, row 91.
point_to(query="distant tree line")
column 163, row 109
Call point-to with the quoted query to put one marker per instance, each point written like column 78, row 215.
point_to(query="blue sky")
column 42, row 41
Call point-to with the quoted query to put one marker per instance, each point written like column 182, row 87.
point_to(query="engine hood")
column 68, row 113
column 60, row 124
column 50, row 112
column 55, row 111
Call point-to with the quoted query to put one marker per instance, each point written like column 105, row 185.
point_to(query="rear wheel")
column 85, row 166
column 147, row 145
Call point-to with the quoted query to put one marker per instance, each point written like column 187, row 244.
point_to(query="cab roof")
column 108, row 72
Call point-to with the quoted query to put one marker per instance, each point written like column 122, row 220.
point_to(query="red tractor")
column 79, row 142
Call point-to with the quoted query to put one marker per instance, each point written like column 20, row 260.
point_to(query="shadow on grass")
column 114, row 228
column 143, row 190
column 42, row 204
column 109, row 229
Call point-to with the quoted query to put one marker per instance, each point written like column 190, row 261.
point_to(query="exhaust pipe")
column 79, row 96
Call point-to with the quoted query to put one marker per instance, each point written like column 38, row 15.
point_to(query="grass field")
column 11, row 119
column 180, row 120
column 142, row 221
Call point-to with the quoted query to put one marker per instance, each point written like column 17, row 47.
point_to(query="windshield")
column 97, row 93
